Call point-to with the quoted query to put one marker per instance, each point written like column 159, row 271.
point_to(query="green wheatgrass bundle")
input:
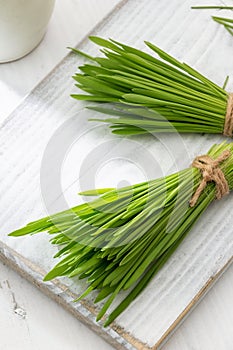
column 120, row 240
column 149, row 94
column 226, row 22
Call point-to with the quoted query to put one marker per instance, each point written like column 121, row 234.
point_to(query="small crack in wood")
column 16, row 308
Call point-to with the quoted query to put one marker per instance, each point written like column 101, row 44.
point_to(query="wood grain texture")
column 48, row 107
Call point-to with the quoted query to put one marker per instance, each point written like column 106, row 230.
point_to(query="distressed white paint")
column 193, row 57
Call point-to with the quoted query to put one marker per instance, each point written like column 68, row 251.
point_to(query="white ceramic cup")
column 22, row 26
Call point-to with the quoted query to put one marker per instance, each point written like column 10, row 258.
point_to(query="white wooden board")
column 49, row 152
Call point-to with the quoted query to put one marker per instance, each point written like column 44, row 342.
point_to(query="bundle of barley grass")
column 226, row 22
column 121, row 240
column 149, row 94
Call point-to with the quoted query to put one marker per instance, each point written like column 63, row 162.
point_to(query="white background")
column 28, row 319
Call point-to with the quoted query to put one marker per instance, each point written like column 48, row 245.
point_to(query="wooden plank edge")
column 190, row 307
column 83, row 311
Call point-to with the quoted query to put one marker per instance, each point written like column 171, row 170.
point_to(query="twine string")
column 211, row 172
column 228, row 126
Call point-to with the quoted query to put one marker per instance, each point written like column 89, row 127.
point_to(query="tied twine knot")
column 228, row 126
column 211, row 172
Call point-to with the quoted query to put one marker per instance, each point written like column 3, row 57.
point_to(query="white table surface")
column 30, row 320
